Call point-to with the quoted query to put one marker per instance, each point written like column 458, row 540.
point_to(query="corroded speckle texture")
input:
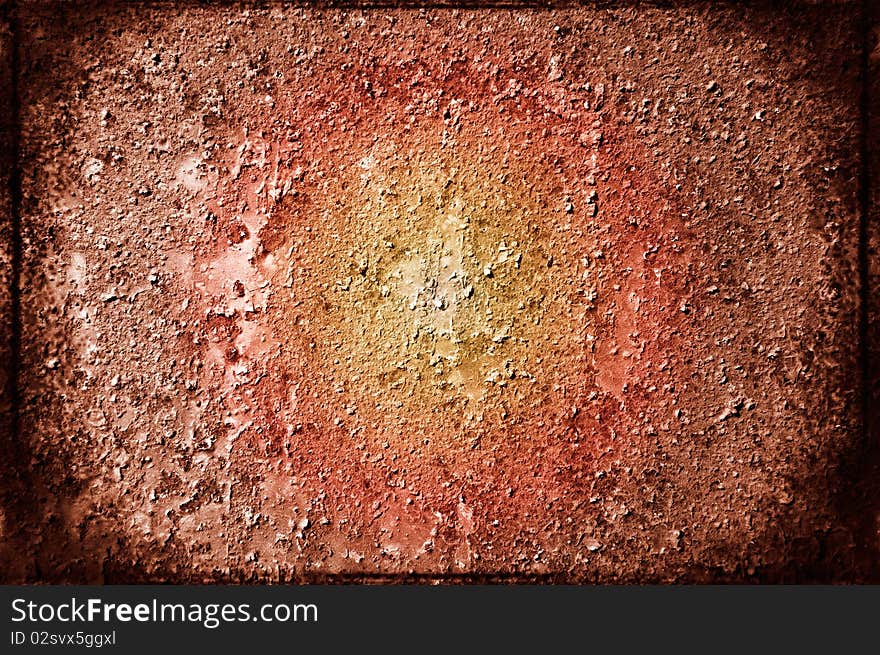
column 486, row 293
column 863, row 466
column 8, row 450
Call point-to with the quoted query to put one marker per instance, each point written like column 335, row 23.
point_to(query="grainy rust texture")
column 864, row 466
column 557, row 294
column 8, row 132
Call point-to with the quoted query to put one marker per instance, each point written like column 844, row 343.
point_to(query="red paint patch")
column 363, row 218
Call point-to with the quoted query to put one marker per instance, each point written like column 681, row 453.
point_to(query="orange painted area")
column 439, row 296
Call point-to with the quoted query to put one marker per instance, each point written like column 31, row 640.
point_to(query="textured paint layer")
column 447, row 289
